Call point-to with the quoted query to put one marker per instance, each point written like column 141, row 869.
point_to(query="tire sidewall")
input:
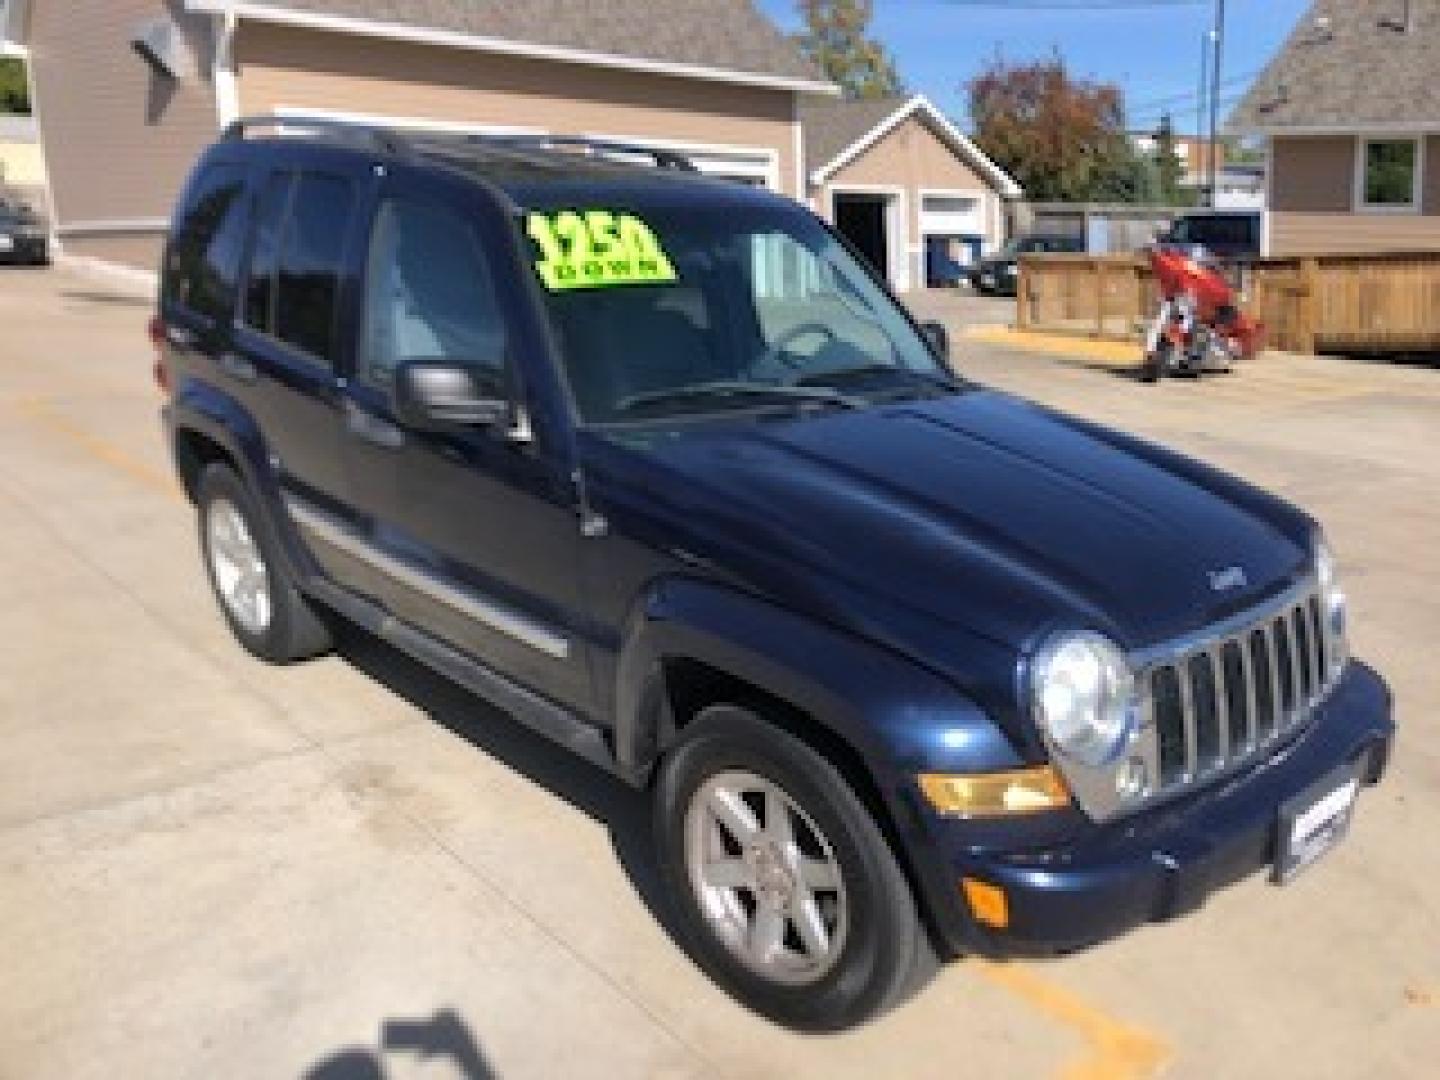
column 881, row 911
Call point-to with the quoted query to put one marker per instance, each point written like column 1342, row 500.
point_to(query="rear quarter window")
column 202, row 262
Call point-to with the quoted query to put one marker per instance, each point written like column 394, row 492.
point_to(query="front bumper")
column 1164, row 862
column 25, row 249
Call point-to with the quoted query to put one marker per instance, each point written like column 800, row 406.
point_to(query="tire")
column 878, row 950
column 238, row 546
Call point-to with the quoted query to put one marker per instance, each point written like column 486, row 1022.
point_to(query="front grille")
column 1225, row 699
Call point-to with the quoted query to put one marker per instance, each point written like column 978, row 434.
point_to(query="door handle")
column 371, row 428
column 237, row 367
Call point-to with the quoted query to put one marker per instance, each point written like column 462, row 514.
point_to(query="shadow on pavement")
column 623, row 811
column 444, row 1035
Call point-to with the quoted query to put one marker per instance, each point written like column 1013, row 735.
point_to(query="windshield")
column 723, row 310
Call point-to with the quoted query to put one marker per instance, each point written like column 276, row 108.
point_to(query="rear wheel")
column 265, row 611
column 788, row 892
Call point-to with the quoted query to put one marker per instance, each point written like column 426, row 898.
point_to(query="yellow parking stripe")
column 1116, row 353
column 39, row 411
column 1114, row 1050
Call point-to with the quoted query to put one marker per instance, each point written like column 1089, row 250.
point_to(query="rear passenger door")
column 286, row 343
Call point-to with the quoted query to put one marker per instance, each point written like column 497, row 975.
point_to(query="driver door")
column 474, row 531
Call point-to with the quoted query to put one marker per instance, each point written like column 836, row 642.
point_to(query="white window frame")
column 1362, row 156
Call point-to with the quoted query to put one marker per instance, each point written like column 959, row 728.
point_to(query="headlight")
column 1083, row 693
column 1333, row 602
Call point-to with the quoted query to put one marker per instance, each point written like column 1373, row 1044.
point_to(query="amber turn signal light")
column 987, row 902
column 1025, row 791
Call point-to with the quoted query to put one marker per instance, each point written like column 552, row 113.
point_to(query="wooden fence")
column 1327, row 303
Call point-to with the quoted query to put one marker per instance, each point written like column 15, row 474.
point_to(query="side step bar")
column 543, row 717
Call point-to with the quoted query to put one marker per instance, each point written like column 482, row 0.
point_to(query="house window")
column 1390, row 178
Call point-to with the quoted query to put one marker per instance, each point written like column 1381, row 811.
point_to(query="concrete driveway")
column 212, row 868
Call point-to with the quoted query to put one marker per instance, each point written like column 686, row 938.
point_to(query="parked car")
column 999, row 275
column 909, row 667
column 1224, row 234
column 23, row 236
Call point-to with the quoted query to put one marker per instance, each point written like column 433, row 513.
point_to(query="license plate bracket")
column 1312, row 823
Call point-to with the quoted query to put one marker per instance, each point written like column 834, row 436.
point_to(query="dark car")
column 909, row 667
column 24, row 238
column 999, row 275
column 1225, row 235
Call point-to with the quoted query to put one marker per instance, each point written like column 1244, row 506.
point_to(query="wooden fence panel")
column 1381, row 302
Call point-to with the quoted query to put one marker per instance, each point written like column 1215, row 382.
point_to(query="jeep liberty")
column 911, row 669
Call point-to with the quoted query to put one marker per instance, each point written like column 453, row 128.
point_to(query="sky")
column 1152, row 52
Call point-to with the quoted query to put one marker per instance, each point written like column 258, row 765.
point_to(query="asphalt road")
column 212, row 868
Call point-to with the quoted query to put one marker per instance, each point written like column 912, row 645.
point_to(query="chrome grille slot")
column 1223, row 698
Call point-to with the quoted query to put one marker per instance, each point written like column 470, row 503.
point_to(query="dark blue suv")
column 652, row 462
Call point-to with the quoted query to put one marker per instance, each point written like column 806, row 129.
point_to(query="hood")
column 979, row 511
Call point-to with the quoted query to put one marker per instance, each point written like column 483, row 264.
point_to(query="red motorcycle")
column 1199, row 327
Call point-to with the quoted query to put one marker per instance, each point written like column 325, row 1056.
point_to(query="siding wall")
column 284, row 66
column 1312, row 202
column 119, row 141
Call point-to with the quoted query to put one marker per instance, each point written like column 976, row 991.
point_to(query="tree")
column 14, row 90
column 1063, row 139
column 835, row 39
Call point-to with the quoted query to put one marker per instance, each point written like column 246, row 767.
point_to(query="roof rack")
column 390, row 141
column 664, row 159
column 383, row 139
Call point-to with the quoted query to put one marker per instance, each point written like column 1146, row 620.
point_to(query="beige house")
column 1350, row 112
column 128, row 92
column 898, row 179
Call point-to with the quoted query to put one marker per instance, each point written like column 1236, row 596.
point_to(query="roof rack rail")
column 383, row 139
column 664, row 159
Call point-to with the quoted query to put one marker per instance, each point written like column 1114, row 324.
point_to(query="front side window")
column 684, row 313
column 1391, row 173
column 203, row 260
column 429, row 295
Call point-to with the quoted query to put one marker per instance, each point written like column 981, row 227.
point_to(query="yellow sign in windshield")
column 597, row 249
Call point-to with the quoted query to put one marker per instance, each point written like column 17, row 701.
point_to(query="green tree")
column 1063, row 139
column 14, row 90
column 836, row 39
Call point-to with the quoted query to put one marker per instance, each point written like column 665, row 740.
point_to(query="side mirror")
column 938, row 338
column 432, row 395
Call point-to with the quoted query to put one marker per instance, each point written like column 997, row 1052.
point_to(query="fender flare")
column 210, row 412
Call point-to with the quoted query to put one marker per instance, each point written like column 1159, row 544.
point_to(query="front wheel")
column 788, row 893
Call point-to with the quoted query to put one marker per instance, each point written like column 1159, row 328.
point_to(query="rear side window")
column 203, row 260
column 295, row 269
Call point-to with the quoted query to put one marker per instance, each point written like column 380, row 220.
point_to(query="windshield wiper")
column 790, row 394
column 845, row 375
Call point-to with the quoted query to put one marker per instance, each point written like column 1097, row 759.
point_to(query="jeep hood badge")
column 1228, row 580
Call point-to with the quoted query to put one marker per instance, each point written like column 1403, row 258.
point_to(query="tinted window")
column 203, row 259
column 270, row 219
column 428, row 294
column 307, row 280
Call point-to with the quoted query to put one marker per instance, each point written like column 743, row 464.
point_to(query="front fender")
column 898, row 719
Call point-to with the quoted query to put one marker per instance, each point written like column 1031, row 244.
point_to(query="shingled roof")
column 724, row 35
column 1343, row 68
column 833, row 126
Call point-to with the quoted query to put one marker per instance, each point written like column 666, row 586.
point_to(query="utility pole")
column 1215, row 81
column 1202, row 104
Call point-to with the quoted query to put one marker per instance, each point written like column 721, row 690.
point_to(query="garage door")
column 952, row 215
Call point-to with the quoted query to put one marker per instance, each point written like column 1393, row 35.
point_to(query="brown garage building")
column 121, row 123
column 899, row 179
